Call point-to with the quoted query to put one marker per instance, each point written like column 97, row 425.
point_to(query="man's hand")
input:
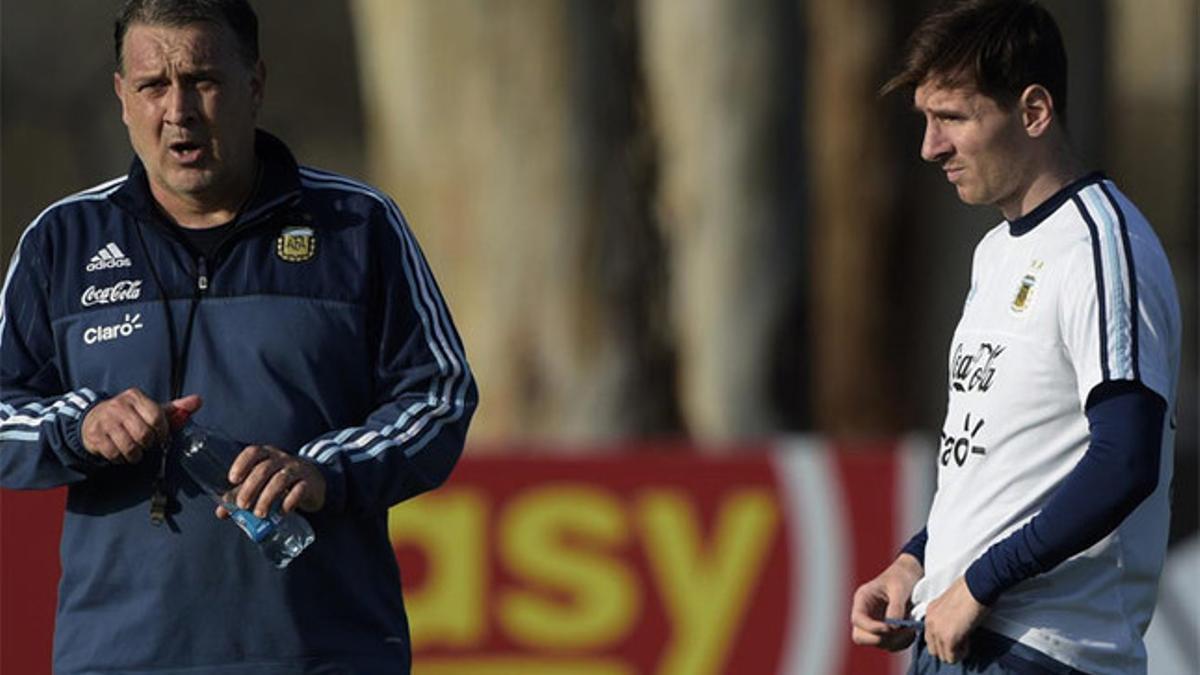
column 264, row 474
column 885, row 596
column 949, row 620
column 121, row 428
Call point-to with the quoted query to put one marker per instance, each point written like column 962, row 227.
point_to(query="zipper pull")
column 202, row 274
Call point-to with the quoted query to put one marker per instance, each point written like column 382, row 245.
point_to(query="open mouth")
column 186, row 151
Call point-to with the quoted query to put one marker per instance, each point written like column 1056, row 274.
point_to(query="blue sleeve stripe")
column 21, row 420
column 442, row 404
column 1133, row 282
column 1096, row 264
column 1115, row 282
column 1114, row 266
column 30, row 436
column 433, row 405
column 98, row 192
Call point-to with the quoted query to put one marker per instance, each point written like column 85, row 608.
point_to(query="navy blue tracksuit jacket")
column 316, row 327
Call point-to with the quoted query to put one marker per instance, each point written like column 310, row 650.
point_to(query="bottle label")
column 256, row 528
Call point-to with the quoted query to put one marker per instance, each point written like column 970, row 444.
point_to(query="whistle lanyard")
column 158, row 499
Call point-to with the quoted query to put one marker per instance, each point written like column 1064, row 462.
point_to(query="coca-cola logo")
column 127, row 289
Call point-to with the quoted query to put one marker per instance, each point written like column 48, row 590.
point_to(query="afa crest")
column 1024, row 297
column 296, row 244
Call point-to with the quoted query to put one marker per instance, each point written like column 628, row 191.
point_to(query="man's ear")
column 258, row 84
column 118, row 89
column 1037, row 110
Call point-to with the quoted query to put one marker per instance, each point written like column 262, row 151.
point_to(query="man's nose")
column 935, row 145
column 181, row 105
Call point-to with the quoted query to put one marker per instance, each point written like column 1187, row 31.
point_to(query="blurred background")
column 687, row 227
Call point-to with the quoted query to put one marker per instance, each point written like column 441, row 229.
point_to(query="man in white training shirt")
column 1047, row 533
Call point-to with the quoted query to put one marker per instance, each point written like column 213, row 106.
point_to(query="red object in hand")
column 177, row 417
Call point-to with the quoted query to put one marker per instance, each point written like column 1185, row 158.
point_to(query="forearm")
column 41, row 444
column 395, row 455
column 1118, row 471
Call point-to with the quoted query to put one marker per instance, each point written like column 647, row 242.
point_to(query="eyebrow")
column 943, row 109
column 151, row 76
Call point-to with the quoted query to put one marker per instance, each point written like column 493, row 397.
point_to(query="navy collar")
column 278, row 184
column 1042, row 211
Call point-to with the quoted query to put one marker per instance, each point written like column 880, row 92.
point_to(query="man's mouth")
column 186, row 152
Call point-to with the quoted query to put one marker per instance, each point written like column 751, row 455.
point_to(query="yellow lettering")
column 448, row 528
column 557, row 538
column 503, row 665
column 705, row 592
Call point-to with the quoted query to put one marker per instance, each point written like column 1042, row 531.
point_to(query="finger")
column 277, row 485
column 179, row 410
column 143, row 433
column 865, row 615
column 110, row 452
column 151, row 416
column 295, row 496
column 946, row 649
column 247, row 459
column 956, row 649
column 141, row 437
column 256, row 482
column 897, row 606
column 123, row 445
column 868, row 624
column 190, row 403
column 930, row 641
column 864, row 638
column 221, row 512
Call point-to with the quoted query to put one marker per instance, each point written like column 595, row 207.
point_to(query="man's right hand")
column 885, row 596
column 121, row 428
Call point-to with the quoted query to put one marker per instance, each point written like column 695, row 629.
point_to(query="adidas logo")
column 107, row 258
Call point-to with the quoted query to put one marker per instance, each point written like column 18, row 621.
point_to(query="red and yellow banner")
column 641, row 562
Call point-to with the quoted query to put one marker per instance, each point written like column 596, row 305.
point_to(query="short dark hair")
column 237, row 14
column 1000, row 47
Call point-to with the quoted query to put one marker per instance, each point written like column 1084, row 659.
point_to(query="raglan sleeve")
column 40, row 443
column 425, row 391
column 1119, row 317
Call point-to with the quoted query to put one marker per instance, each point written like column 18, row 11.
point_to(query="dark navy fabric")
column 989, row 654
column 1118, row 471
column 916, row 546
column 1025, row 224
column 348, row 345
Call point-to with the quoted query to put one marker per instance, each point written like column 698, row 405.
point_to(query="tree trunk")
column 514, row 147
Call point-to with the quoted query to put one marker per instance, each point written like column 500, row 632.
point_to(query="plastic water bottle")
column 207, row 456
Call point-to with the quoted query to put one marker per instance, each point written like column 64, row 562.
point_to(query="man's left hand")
column 949, row 621
column 265, row 474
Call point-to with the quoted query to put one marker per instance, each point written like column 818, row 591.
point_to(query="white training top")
column 1083, row 297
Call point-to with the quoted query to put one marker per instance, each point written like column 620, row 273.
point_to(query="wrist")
column 906, row 564
column 73, row 434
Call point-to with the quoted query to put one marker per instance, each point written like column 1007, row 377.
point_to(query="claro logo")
column 128, row 289
column 117, row 330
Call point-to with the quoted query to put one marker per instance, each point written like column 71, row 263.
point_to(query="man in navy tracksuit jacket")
column 287, row 307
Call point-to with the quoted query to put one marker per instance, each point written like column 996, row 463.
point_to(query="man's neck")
column 1052, row 176
column 206, row 210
